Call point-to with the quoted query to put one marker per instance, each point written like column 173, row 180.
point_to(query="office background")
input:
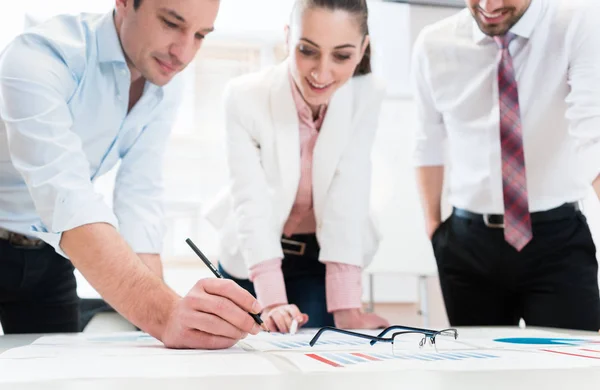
column 249, row 36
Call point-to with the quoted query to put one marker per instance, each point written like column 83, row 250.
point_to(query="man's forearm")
column 153, row 262
column 117, row 273
column 430, row 182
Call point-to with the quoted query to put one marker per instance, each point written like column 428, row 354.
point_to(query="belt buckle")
column 486, row 221
column 298, row 252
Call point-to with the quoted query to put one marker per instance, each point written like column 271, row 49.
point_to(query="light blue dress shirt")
column 64, row 91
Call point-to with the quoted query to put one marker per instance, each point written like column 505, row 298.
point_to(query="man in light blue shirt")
column 77, row 95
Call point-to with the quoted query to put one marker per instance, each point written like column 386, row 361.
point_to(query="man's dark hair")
column 136, row 4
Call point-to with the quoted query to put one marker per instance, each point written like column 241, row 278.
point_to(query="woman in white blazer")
column 295, row 224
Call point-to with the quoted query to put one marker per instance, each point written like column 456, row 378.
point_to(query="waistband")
column 565, row 211
column 20, row 240
column 300, row 245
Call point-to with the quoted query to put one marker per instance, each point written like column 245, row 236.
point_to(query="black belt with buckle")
column 301, row 257
column 300, row 245
column 20, row 240
column 565, row 211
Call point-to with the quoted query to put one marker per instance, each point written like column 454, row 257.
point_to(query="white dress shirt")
column 64, row 91
column 556, row 56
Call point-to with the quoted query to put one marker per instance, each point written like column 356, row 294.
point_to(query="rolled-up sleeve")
column 430, row 132
column 584, row 98
column 35, row 87
column 138, row 195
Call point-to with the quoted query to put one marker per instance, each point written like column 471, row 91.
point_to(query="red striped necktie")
column 517, row 220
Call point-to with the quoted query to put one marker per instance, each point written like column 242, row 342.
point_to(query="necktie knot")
column 504, row 40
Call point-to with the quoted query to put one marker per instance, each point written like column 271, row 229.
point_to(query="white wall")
column 404, row 250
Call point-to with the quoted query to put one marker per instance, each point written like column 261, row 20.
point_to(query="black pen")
column 215, row 271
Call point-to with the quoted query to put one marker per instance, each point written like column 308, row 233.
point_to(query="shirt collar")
column 523, row 28
column 111, row 51
column 109, row 45
column 304, row 111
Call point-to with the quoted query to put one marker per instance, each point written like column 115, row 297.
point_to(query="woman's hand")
column 279, row 318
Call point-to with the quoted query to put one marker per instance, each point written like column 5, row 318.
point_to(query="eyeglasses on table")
column 402, row 338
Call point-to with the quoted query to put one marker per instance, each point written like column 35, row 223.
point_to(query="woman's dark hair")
column 357, row 8
column 136, row 4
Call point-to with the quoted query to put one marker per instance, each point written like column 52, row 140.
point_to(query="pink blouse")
column 343, row 282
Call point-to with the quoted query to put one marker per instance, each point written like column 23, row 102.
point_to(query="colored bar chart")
column 572, row 347
column 288, row 344
column 342, row 359
column 585, row 353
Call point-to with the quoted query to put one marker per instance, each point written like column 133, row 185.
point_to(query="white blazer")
column 263, row 151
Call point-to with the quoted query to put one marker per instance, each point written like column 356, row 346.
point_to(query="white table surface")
column 588, row 378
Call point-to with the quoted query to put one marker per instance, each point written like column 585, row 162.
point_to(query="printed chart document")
column 478, row 350
column 436, row 361
column 474, row 350
column 278, row 342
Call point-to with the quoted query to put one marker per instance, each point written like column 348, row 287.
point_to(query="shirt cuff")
column 268, row 283
column 69, row 215
column 428, row 153
column 343, row 286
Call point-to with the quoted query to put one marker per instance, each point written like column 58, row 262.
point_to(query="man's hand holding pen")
column 213, row 315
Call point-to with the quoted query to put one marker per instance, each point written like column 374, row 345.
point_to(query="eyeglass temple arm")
column 346, row 332
column 399, row 327
column 407, row 328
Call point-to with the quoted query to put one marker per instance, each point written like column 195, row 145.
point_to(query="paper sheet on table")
column 139, row 355
column 532, row 341
column 332, row 341
column 491, row 332
column 469, row 360
column 329, row 341
column 121, row 338
column 94, row 345
column 476, row 349
column 157, row 366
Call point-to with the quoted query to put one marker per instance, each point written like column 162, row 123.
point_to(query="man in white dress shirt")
column 78, row 94
column 508, row 98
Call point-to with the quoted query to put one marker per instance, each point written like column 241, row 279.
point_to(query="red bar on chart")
column 323, row 360
column 362, row 355
column 571, row 354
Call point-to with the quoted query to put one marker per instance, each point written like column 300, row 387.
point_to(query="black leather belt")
column 301, row 257
column 565, row 211
column 300, row 245
column 20, row 240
